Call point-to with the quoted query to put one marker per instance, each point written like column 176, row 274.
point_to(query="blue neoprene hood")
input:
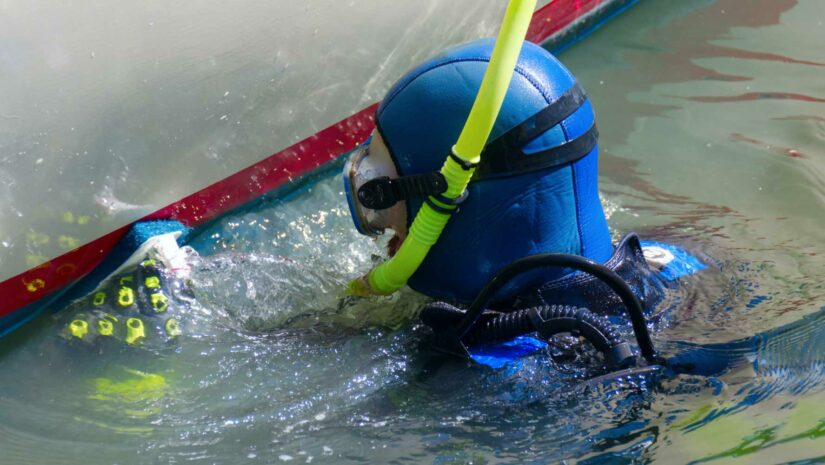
column 505, row 218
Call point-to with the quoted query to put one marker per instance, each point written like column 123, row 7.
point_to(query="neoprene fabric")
column 503, row 219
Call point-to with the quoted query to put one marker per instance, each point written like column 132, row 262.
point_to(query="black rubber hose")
column 608, row 276
column 565, row 318
column 549, row 320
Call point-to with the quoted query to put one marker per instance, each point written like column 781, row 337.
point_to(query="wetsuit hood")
column 508, row 214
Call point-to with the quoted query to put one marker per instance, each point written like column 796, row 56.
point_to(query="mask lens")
column 353, row 180
column 369, row 162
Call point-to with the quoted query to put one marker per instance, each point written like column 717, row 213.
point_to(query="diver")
column 532, row 201
column 526, row 249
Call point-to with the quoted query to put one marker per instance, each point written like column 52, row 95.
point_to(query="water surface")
column 712, row 123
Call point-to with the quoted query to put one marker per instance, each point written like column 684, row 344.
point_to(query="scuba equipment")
column 649, row 268
column 589, row 303
column 545, row 320
column 368, row 169
column 461, row 332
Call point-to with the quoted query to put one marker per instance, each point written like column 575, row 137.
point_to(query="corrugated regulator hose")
column 547, row 321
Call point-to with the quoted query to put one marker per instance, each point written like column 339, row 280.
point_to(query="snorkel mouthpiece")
column 458, row 168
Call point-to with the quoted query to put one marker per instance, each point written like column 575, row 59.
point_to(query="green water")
column 712, row 121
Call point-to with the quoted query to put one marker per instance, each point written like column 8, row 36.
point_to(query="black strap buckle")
column 382, row 193
column 465, row 165
column 452, row 205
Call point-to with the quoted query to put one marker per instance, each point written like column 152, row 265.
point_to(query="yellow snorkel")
column 429, row 223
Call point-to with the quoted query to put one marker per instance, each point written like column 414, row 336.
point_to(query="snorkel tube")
column 459, row 167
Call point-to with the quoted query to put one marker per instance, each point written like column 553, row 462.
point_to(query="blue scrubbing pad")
column 143, row 231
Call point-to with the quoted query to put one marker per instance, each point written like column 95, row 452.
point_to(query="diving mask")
column 368, row 170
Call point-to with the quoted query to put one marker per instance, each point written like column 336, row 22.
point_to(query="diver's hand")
column 360, row 287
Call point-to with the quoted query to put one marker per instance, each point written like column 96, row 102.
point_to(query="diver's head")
column 535, row 190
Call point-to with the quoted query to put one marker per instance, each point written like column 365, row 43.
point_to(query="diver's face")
column 365, row 164
column 396, row 217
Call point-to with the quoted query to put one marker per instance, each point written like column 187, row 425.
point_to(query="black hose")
column 549, row 320
column 608, row 276
column 565, row 319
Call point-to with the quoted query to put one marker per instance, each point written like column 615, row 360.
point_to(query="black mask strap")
column 505, row 155
column 512, row 163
